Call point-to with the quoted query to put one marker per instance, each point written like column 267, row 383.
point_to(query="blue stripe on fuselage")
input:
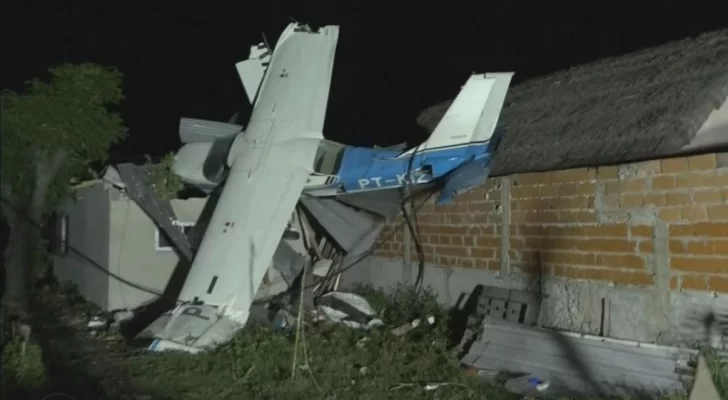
column 370, row 169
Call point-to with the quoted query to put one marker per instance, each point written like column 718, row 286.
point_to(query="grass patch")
column 718, row 370
column 342, row 363
column 258, row 364
column 22, row 365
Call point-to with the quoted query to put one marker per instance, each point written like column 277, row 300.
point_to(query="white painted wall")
column 114, row 232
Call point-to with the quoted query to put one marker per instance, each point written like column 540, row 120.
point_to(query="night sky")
column 392, row 60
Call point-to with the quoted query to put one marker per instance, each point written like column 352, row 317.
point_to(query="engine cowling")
column 203, row 164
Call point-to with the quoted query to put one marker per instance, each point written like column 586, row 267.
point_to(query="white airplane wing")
column 247, row 225
column 269, row 165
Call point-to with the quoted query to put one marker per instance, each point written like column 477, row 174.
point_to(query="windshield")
column 328, row 157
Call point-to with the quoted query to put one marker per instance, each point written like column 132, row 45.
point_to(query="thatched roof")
column 644, row 105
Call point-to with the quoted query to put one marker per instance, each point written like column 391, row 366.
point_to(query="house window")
column 162, row 243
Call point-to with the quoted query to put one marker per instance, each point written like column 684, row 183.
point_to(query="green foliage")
column 718, row 370
column 22, row 365
column 162, row 177
column 258, row 362
column 71, row 114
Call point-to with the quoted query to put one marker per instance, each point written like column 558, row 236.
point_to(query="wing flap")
column 251, row 215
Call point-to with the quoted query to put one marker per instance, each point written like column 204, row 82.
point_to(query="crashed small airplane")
column 289, row 198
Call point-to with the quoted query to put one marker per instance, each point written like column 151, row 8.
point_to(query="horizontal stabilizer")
column 473, row 115
column 193, row 130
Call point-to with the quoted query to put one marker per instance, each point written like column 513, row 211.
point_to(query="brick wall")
column 662, row 222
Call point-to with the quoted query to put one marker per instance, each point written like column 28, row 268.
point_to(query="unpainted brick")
column 488, row 241
column 606, row 230
column 518, row 217
column 482, row 206
column 674, row 165
column 552, row 203
column 568, row 189
column 670, row 214
column 571, row 175
column 691, row 180
column 694, row 213
column 475, row 194
column 706, row 265
column 693, row 247
column 618, row 277
column 702, row 162
column 608, row 172
column 490, row 265
column 536, row 178
column 718, row 283
column 708, row 196
column 581, row 217
column 695, row 282
column 707, row 229
column 720, row 247
column 610, row 201
column 681, row 230
column 562, row 258
column 663, row 182
column 550, row 190
column 629, row 261
column 677, row 247
column 524, row 192
column 651, row 167
column 632, row 200
column 612, row 187
column 604, row 245
column 674, row 283
column 718, row 212
column 484, row 252
column 634, row 185
column 542, row 217
column 459, row 251
column 713, row 229
column 632, row 278
column 654, row 199
column 717, row 179
column 645, row 247
column 641, row 231
column 587, row 188
column 677, row 198
column 721, row 160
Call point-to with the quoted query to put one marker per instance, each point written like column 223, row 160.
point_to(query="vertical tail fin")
column 473, row 115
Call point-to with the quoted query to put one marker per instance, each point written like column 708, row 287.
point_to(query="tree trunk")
column 25, row 238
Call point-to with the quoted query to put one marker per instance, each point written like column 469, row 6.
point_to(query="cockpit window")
column 328, row 157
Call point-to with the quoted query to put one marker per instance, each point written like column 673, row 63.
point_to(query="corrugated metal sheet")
column 386, row 202
column 344, row 224
column 575, row 361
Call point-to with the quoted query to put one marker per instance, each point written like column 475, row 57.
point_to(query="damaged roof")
column 644, row 105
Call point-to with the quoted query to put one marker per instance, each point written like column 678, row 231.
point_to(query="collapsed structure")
column 284, row 197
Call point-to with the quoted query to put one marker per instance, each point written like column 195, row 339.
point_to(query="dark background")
column 394, row 58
